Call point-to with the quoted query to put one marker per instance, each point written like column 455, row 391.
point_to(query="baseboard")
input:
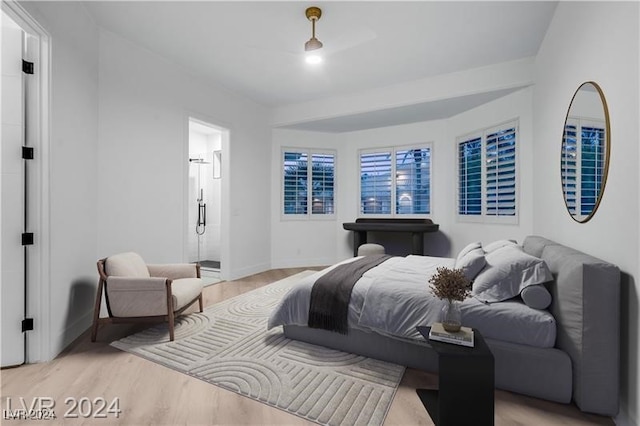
column 71, row 333
column 301, row 263
column 248, row 270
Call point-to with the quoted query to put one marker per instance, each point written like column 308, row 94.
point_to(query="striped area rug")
column 228, row 345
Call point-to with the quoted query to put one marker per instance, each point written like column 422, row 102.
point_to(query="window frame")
column 482, row 134
column 392, row 151
column 309, row 215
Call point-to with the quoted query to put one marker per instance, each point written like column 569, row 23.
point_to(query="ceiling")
column 256, row 48
column 424, row 111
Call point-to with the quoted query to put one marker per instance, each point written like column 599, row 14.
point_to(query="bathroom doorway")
column 204, row 201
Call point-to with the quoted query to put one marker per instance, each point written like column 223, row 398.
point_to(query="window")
column 583, row 151
column 399, row 174
column 487, row 174
column 308, row 180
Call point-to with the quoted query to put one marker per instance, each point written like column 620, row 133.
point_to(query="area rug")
column 229, row 345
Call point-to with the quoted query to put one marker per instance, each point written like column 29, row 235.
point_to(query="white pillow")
column 471, row 263
column 536, row 296
column 499, row 244
column 467, row 249
column 509, row 270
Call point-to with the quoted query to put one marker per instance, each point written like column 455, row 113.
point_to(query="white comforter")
column 394, row 297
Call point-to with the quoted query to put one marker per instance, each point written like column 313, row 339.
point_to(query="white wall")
column 214, row 205
column 433, row 132
column 596, row 41
column 145, row 102
column 518, row 106
column 295, row 242
column 128, row 193
column 586, row 104
column 303, row 242
column 73, row 170
column 298, row 242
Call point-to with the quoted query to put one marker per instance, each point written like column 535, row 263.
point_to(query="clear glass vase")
column 451, row 316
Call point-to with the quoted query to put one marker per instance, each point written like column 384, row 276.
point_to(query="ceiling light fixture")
column 313, row 14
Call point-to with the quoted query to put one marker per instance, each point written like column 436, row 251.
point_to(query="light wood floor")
column 155, row 395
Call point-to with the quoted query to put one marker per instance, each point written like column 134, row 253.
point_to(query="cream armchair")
column 137, row 292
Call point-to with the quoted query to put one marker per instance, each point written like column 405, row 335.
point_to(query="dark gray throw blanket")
column 330, row 295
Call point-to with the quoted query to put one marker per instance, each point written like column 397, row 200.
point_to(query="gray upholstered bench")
column 369, row 249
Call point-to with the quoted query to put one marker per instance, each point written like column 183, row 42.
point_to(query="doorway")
column 12, row 294
column 204, row 199
column 24, row 255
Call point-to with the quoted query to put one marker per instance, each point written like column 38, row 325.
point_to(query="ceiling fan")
column 339, row 34
column 312, row 46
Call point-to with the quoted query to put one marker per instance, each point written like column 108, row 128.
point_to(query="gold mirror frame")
column 607, row 154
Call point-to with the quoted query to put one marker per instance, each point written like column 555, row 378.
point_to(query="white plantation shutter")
column 487, row 174
column 413, row 181
column 396, row 181
column 500, row 172
column 470, row 176
column 308, row 179
column 569, row 159
column 295, row 182
column 583, row 151
column 375, row 183
column 592, row 165
column 322, row 183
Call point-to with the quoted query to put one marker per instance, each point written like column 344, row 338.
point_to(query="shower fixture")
column 202, row 215
column 201, row 223
column 198, row 161
column 202, row 206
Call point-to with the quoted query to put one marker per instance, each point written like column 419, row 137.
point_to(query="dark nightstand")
column 466, row 384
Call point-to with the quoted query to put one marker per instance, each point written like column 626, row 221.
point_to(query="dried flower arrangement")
column 450, row 284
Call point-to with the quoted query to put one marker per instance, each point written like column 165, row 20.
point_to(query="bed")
column 567, row 352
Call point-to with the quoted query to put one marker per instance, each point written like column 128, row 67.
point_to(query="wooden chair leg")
column 170, row 314
column 96, row 312
column 171, row 326
column 200, row 302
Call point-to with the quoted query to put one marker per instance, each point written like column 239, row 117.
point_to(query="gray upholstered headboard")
column 586, row 306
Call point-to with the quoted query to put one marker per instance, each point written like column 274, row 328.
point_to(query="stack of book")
column 463, row 337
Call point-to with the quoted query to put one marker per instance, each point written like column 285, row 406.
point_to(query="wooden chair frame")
column 169, row 317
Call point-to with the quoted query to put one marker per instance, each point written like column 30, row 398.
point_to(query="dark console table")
column 416, row 227
column 466, row 384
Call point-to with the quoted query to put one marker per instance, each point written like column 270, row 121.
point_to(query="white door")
column 12, row 284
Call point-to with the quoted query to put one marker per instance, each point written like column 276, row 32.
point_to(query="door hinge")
column 27, row 67
column 27, row 239
column 27, row 324
column 27, row 153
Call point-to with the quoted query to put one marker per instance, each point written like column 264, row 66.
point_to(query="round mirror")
column 585, row 151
